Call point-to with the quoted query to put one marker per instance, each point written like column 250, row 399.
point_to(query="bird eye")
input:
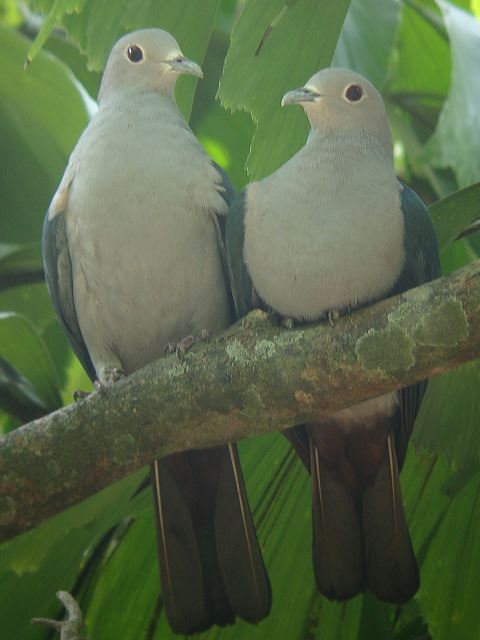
column 353, row 93
column 134, row 53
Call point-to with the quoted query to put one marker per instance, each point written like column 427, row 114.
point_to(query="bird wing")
column 391, row 569
column 226, row 188
column 58, row 270
column 422, row 264
column 227, row 192
column 243, row 292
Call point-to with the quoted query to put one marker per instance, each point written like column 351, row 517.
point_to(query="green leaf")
column 20, row 264
column 128, row 584
column 95, row 25
column 226, row 136
column 362, row 48
column 24, row 349
column 452, row 406
column 419, row 79
column 456, row 142
column 10, row 14
column 33, row 594
column 42, row 114
column 453, row 214
column 36, row 564
column 68, row 52
column 18, row 397
column 277, row 45
column 443, row 513
column 422, row 64
column 279, row 492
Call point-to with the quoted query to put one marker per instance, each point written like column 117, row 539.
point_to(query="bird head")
column 146, row 60
column 343, row 103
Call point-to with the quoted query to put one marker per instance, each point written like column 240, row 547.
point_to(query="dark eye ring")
column 353, row 93
column 134, row 53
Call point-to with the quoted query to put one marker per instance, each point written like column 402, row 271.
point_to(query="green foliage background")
column 424, row 56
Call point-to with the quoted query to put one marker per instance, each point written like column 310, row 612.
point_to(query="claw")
column 78, row 395
column 171, row 347
column 101, row 387
column 110, row 377
column 115, row 376
column 333, row 315
column 184, row 345
column 289, row 323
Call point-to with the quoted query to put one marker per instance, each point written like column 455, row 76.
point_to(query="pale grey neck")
column 348, row 148
column 160, row 103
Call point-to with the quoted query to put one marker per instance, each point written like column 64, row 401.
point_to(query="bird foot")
column 184, row 345
column 110, row 377
column 282, row 321
column 187, row 343
column 78, row 395
column 333, row 315
column 288, row 323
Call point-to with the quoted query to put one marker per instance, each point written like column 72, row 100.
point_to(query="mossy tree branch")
column 257, row 377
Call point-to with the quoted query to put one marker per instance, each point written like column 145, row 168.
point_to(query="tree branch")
column 257, row 377
column 70, row 628
column 472, row 228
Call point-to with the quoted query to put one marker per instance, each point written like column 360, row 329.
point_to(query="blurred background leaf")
column 456, row 142
column 363, row 49
column 277, row 45
column 423, row 57
column 95, row 25
column 42, row 114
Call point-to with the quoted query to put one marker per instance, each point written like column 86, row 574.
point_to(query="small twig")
column 273, row 24
column 472, row 228
column 69, row 629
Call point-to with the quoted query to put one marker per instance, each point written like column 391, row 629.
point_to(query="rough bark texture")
column 258, row 377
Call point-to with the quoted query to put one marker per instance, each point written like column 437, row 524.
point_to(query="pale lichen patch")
column 178, row 369
column 265, row 349
column 304, row 398
column 409, row 316
column 389, row 349
column 236, row 352
column 421, row 296
column 289, row 337
column 445, row 326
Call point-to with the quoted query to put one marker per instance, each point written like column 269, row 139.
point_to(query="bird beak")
column 297, row 96
column 180, row 64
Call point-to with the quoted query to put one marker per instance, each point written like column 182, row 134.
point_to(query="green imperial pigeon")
column 133, row 255
column 330, row 231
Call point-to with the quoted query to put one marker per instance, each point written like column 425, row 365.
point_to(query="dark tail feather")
column 180, row 564
column 391, row 569
column 241, row 564
column 298, row 438
column 186, row 548
column 337, row 539
column 210, row 563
